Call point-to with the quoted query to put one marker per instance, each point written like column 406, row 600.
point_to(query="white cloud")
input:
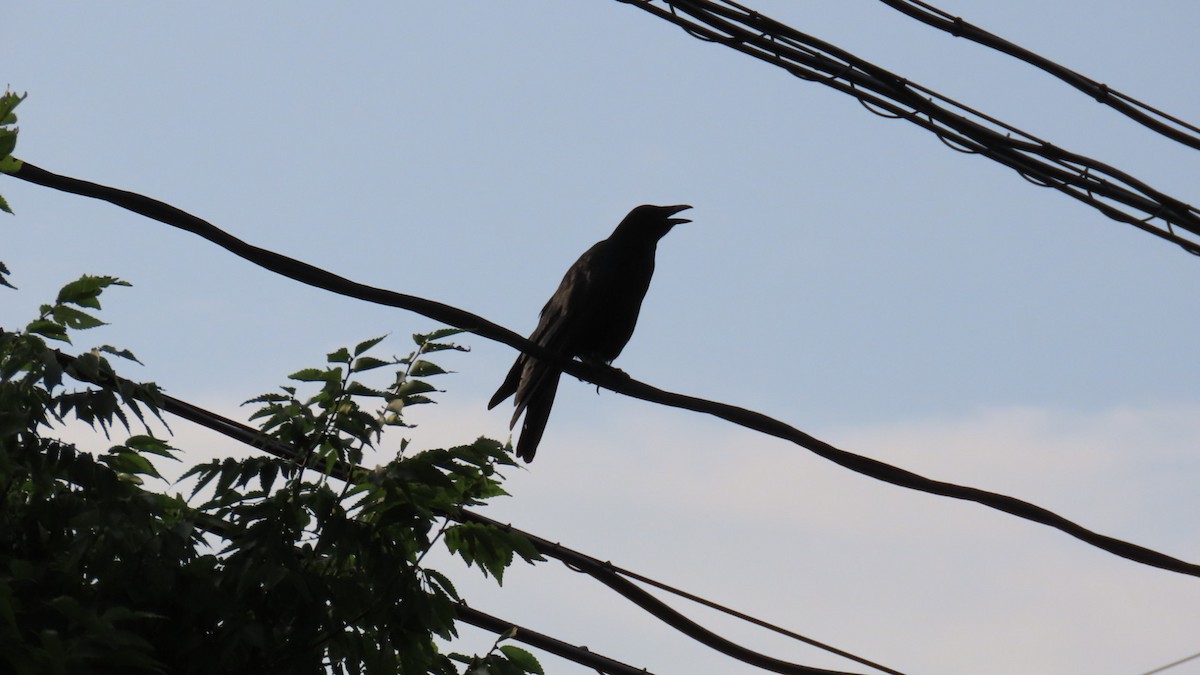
column 920, row 582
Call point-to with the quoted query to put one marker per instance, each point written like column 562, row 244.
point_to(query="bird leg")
column 597, row 363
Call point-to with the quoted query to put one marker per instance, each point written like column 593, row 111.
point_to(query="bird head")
column 652, row 221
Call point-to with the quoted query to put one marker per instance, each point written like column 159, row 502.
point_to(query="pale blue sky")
column 847, row 274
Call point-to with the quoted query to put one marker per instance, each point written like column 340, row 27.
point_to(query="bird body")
column 591, row 316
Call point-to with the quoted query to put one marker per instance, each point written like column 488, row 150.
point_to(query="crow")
column 591, row 316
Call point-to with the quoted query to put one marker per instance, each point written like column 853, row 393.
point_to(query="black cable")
column 604, row 376
column 603, row 572
column 1095, row 183
column 1136, row 110
column 581, row 655
column 610, row 574
column 1172, row 664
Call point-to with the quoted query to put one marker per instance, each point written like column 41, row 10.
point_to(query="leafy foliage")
column 297, row 564
column 502, row 660
column 8, row 139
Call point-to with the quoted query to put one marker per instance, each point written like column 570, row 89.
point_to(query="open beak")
column 672, row 210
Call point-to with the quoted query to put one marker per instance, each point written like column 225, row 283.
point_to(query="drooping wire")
column 1166, row 124
column 604, row 376
column 1173, row 664
column 601, row 571
column 1114, row 193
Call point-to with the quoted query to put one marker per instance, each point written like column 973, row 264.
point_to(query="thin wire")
column 604, row 572
column 1102, row 93
column 1129, row 200
column 622, row 383
column 1173, row 664
column 750, row 619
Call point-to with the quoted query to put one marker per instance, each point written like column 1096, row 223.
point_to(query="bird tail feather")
column 509, row 386
column 537, row 413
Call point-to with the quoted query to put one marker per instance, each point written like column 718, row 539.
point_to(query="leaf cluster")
column 291, row 564
column 8, row 137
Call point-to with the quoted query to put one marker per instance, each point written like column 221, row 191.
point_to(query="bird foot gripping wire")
column 611, row 369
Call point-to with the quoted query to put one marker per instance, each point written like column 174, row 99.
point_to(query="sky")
column 847, row 274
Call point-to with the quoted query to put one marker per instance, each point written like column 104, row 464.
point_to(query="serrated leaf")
column 425, row 369
column 442, row 346
column 268, row 398
column 367, row 344
column 5, row 208
column 49, row 329
column 8, row 103
column 311, row 375
column 124, row 461
column 85, row 290
column 522, row 659
column 74, row 318
column 340, row 356
column 365, row 363
column 204, row 474
column 52, row 370
column 150, row 444
column 417, row 399
column 8, row 141
column 267, row 474
column 422, row 338
column 123, row 353
column 360, row 389
column 411, row 387
column 443, row 582
column 10, row 164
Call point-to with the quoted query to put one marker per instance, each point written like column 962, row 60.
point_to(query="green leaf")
column 49, row 329
column 411, row 387
column 73, row 318
column 150, row 444
column 85, row 290
column 522, row 659
column 52, row 370
column 367, row 344
column 340, row 356
column 7, row 209
column 365, row 363
column 8, row 103
column 8, row 141
column 123, row 353
column 313, row 375
column 431, row 347
column 123, row 461
column 443, row 582
column 425, row 369
column 267, row 474
column 269, row 398
column 422, row 338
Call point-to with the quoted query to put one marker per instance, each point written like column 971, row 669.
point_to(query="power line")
column 586, row 564
column 579, row 654
column 1114, row 193
column 1168, row 125
column 605, row 376
column 1172, row 664
column 756, row 621
column 604, row 572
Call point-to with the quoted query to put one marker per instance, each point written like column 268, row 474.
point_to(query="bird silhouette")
column 591, row 316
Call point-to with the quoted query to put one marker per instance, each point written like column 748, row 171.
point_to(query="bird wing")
column 553, row 330
column 557, row 330
column 561, row 317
